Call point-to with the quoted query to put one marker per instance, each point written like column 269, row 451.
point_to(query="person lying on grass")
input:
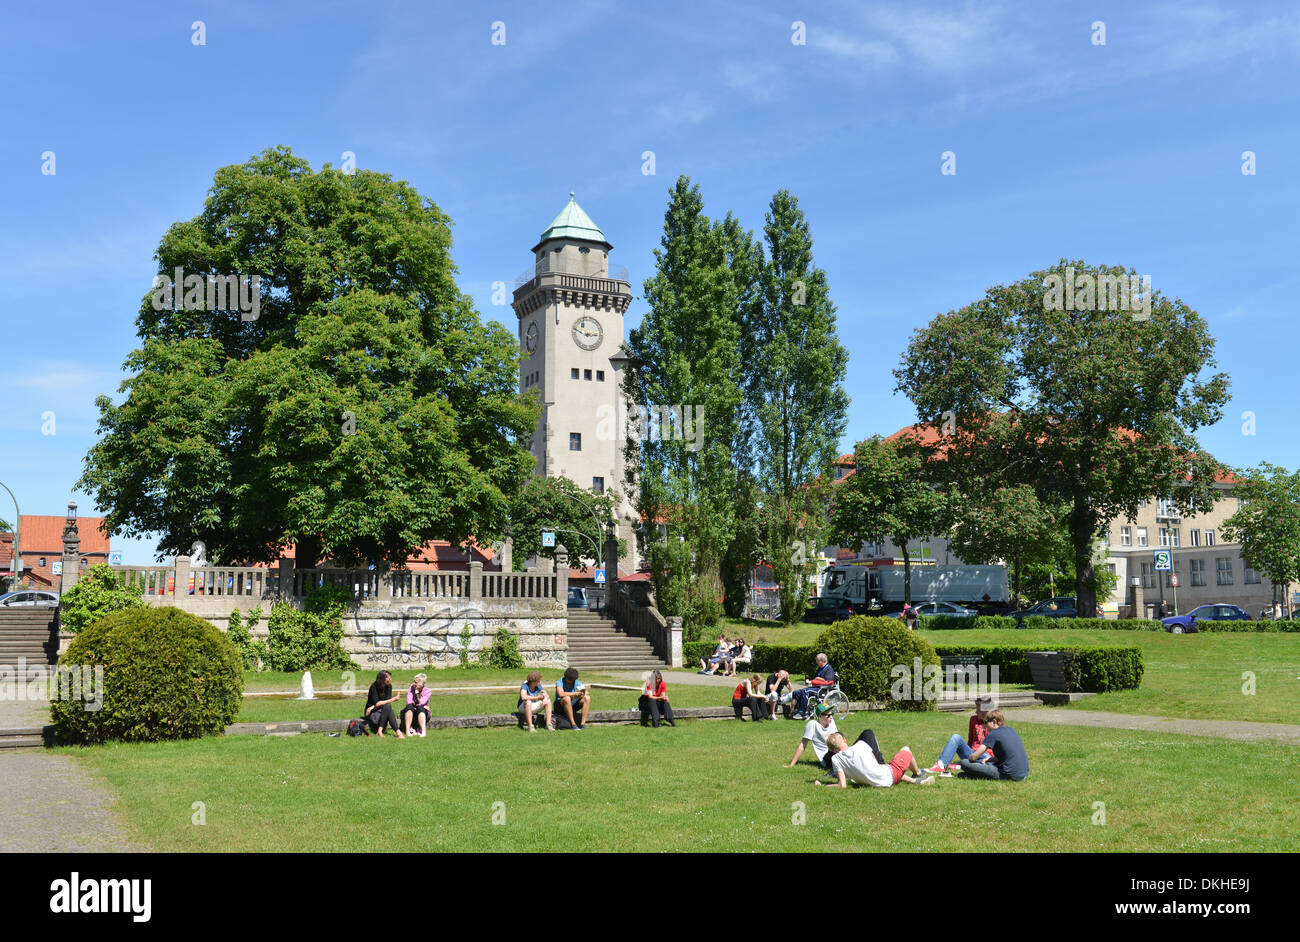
column 417, row 705
column 861, row 763
column 533, row 699
column 1010, row 761
column 654, row 701
column 965, row 748
column 572, row 701
column 817, row 731
column 379, row 705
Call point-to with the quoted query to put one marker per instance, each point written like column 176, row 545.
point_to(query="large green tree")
column 1092, row 396
column 794, row 373
column 364, row 411
column 1267, row 524
column 684, row 363
column 891, row 495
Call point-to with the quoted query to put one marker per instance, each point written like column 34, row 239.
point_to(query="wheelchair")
column 830, row 694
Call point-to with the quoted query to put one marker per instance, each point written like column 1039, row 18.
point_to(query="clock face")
column 530, row 338
column 587, row 333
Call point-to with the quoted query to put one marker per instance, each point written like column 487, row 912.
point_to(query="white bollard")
column 308, row 691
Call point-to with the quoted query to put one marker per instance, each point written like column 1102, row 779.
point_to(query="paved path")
column 1217, row 729
column 15, row 713
column 54, row 804
column 676, row 677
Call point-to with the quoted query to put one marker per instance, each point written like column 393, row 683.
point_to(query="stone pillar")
column 508, row 554
column 71, row 555
column 181, row 584
column 1139, row 607
column 476, row 579
column 561, row 574
column 385, row 579
column 286, row 580
column 611, row 566
column 675, row 640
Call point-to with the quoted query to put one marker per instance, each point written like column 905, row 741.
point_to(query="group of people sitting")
column 992, row 750
column 726, row 657
column 415, row 715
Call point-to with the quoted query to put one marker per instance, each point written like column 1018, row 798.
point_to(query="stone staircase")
column 28, row 633
column 596, row 643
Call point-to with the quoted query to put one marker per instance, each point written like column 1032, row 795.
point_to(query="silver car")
column 943, row 608
column 29, row 598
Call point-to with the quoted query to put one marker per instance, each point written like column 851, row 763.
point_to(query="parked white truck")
column 871, row 586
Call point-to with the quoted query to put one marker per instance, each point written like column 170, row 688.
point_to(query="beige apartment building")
column 1208, row 567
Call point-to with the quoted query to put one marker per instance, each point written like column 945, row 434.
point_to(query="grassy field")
column 707, row 785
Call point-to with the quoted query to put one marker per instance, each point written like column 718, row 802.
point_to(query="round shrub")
column 98, row 593
column 167, row 674
column 876, row 660
column 503, row 653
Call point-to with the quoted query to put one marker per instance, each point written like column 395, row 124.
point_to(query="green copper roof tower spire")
column 573, row 223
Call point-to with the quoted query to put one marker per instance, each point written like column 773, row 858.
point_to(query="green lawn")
column 707, row 785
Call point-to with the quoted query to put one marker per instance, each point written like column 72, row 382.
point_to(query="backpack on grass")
column 356, row 727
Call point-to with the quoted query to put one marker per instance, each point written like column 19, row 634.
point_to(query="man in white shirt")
column 859, row 763
column 817, row 731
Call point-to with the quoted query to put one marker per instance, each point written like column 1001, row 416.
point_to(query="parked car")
column 26, row 598
column 1062, row 606
column 944, row 608
column 577, row 597
column 823, row 611
column 1186, row 624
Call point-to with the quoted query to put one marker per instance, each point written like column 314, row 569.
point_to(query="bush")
column 98, row 593
column 1264, row 624
column 167, row 674
column 866, row 651
column 254, row 653
column 768, row 658
column 954, row 622
column 311, row 639
column 1092, row 669
column 1093, row 624
column 504, row 651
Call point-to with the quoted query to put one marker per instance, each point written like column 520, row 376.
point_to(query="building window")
column 1223, row 565
column 1196, row 537
column 1125, row 536
column 1142, row 536
column 1209, row 540
column 1166, row 508
column 42, row 562
column 586, row 374
column 1148, row 579
column 1164, row 536
column 600, row 376
column 575, row 441
column 598, row 485
column 1249, row 576
column 1198, row 571
column 583, row 250
column 573, row 373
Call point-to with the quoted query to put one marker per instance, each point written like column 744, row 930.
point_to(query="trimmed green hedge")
column 1267, row 624
column 1094, row 669
column 955, row 622
column 795, row 658
column 1042, row 622
column 866, row 653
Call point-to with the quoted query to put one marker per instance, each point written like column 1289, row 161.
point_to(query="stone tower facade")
column 570, row 309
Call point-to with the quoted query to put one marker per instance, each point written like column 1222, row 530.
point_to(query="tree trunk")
column 1082, row 530
column 907, row 576
column 1016, row 577
column 306, row 553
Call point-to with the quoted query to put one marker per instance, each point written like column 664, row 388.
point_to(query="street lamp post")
column 14, row 563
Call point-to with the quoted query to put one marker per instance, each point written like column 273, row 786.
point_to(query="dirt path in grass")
column 54, row 804
column 1217, row 729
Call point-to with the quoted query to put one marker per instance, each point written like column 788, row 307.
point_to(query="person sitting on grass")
column 572, row 701
column 1010, row 760
column 817, row 731
column 709, row 665
column 861, row 763
column 746, row 695
column 379, row 705
column 776, row 683
column 417, row 705
column 824, row 677
column 533, row 699
column 654, row 700
column 964, row 748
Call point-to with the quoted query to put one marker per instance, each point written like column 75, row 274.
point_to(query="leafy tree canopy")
column 578, row 516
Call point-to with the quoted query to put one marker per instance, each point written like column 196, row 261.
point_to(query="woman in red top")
column 654, row 700
column 747, row 694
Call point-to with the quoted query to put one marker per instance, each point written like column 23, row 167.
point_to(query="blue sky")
column 1128, row 153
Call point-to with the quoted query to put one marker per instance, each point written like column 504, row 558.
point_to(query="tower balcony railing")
column 548, row 267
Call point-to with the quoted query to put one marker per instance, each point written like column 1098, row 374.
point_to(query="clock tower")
column 570, row 307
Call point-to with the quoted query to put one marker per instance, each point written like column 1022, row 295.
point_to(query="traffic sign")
column 115, row 559
column 1164, row 560
column 600, row 576
column 1173, row 580
column 548, row 537
column 56, row 568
